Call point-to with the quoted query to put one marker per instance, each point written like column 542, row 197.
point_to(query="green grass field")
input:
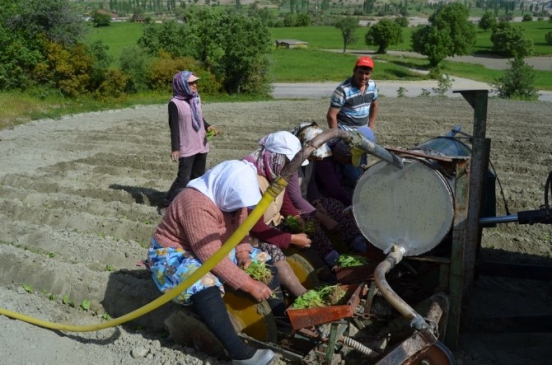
column 117, row 36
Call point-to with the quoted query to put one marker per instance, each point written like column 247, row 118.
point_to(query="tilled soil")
column 78, row 201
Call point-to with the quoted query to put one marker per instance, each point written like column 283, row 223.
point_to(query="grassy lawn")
column 302, row 65
column 117, row 36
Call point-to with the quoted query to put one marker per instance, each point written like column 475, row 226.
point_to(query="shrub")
column 163, row 68
column 517, row 82
column 113, row 86
column 402, row 21
column 444, row 84
column 67, row 68
column 487, row 21
column 527, row 18
column 548, row 37
column 135, row 62
column 510, row 40
column 101, row 19
column 384, row 34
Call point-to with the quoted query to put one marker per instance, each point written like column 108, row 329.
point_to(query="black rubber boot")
column 209, row 305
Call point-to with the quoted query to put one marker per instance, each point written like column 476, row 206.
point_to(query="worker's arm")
column 374, row 108
column 331, row 117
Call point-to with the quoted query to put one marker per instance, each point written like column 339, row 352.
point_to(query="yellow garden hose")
column 274, row 190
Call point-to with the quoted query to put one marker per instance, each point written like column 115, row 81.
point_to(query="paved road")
column 386, row 89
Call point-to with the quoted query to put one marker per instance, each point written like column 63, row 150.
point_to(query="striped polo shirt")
column 353, row 104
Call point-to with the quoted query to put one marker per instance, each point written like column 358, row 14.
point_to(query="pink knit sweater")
column 196, row 224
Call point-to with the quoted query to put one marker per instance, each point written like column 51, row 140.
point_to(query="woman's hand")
column 213, row 130
column 243, row 259
column 175, row 155
column 320, row 207
column 257, row 290
column 301, row 240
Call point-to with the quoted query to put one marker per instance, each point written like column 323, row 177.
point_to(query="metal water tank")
column 412, row 207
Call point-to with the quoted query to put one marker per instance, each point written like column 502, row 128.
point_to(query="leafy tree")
column 101, row 19
column 368, row 6
column 27, row 27
column 548, row 38
column 510, row 40
column 66, row 68
column 517, row 82
column 57, row 20
column 234, row 46
column 527, row 18
column 134, row 61
column 449, row 33
column 348, row 27
column 402, row 21
column 487, row 21
column 102, row 62
column 384, row 33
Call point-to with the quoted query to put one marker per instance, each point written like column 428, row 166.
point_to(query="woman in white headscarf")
column 199, row 220
column 275, row 150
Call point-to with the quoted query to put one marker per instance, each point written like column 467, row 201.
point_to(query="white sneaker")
column 261, row 357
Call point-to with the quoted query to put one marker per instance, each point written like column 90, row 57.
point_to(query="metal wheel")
column 252, row 318
column 437, row 354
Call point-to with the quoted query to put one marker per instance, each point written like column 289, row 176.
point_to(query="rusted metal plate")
column 302, row 318
column 355, row 274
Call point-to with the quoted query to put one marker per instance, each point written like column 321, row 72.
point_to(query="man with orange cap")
column 354, row 103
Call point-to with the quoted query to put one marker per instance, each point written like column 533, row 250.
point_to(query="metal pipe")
column 503, row 219
column 392, row 259
column 373, row 149
column 354, row 139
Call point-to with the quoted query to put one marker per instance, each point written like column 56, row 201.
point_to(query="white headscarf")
column 230, row 185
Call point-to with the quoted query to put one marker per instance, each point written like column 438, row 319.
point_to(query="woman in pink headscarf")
column 275, row 150
column 188, row 134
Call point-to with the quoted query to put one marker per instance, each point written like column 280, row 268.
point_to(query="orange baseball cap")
column 365, row 61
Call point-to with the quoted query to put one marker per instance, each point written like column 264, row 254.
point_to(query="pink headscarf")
column 182, row 91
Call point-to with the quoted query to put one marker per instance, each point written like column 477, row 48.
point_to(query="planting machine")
column 424, row 209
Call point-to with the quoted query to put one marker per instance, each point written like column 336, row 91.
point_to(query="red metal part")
column 302, row 318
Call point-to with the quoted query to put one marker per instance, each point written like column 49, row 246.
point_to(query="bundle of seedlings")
column 320, row 297
column 209, row 135
column 293, row 225
column 259, row 272
column 351, row 260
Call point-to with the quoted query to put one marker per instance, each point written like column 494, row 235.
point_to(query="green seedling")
column 52, row 296
column 294, row 225
column 351, row 260
column 320, row 297
column 28, row 288
column 109, row 267
column 209, row 135
column 85, row 305
column 106, row 316
column 259, row 272
column 50, row 255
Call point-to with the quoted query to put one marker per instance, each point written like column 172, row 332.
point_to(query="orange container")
column 304, row 318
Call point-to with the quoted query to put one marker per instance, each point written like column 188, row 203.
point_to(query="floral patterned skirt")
column 171, row 266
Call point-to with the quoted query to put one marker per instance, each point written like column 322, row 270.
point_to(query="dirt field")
column 77, row 208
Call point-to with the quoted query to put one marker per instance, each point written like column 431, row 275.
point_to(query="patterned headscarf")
column 269, row 164
column 181, row 91
column 230, row 185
